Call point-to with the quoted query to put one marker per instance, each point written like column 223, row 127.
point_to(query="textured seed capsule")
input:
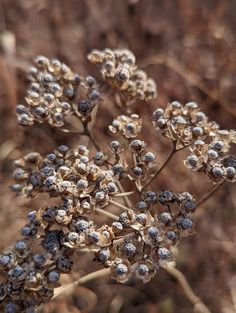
column 53, row 276
column 217, row 172
column 163, row 253
column 121, row 269
column 129, row 249
column 165, row 217
column 185, row 223
column 142, row 269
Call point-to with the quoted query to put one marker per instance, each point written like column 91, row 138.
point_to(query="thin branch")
column 89, row 134
column 209, row 194
column 87, row 250
column 136, row 182
column 199, row 306
column 120, row 205
column 173, row 151
column 80, row 281
column 124, row 194
column 108, row 214
column 126, row 199
column 138, row 186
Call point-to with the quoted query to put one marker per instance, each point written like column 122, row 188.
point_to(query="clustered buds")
column 212, row 156
column 183, row 124
column 142, row 238
column 188, row 126
column 138, row 243
column 55, row 93
column 70, row 174
column 128, row 126
column 137, row 170
column 118, row 68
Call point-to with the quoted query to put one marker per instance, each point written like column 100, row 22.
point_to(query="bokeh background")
column 188, row 47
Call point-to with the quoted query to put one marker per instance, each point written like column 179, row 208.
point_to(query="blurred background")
column 188, row 47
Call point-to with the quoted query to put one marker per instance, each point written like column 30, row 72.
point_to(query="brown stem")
column 80, row 281
column 126, row 199
column 173, row 151
column 137, row 183
column 120, row 205
column 199, row 306
column 124, row 194
column 89, row 134
column 209, row 194
column 108, row 214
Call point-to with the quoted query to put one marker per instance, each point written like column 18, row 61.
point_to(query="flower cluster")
column 119, row 70
column 143, row 240
column 183, row 124
column 188, row 126
column 127, row 126
column 33, row 266
column 212, row 156
column 55, row 93
column 70, row 174
column 138, row 243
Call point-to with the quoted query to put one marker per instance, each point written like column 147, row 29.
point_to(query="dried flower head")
column 55, row 93
column 119, row 70
column 183, row 124
column 129, row 127
column 212, row 157
column 142, row 238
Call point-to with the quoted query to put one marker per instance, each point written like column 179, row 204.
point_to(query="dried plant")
column 143, row 237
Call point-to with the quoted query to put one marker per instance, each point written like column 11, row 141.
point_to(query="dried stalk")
column 199, row 306
column 119, row 205
column 173, row 151
column 126, row 199
column 90, row 135
column 209, row 194
column 108, row 214
column 124, row 194
column 80, row 281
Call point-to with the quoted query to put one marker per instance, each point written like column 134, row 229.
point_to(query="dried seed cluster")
column 138, row 243
column 128, row 126
column 212, row 156
column 55, row 93
column 183, row 124
column 33, row 266
column 130, row 155
column 210, row 146
column 142, row 238
column 70, row 174
column 118, row 68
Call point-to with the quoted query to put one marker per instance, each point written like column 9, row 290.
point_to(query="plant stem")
column 173, row 151
column 199, row 306
column 108, row 214
column 127, row 201
column 123, row 194
column 88, row 133
column 80, row 281
column 119, row 205
column 137, row 183
column 209, row 194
